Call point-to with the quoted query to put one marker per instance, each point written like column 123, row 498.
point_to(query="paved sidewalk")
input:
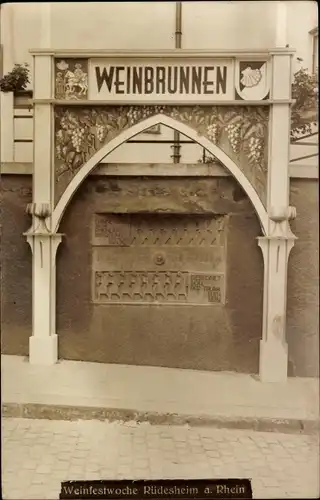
column 157, row 391
column 38, row 454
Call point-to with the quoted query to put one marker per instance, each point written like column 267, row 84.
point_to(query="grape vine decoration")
column 255, row 149
column 81, row 133
column 137, row 113
column 244, row 130
column 101, row 133
column 133, row 115
column 247, row 134
column 77, row 138
column 75, row 142
column 233, row 132
column 212, row 132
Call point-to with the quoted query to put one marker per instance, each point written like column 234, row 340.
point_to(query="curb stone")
column 65, row 412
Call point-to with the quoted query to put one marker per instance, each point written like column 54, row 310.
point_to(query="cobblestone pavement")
column 38, row 454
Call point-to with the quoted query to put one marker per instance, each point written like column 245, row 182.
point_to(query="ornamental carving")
column 158, row 259
column 71, row 79
column 123, row 230
column 241, row 132
column 157, row 286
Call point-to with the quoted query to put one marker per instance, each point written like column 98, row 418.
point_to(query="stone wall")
column 227, row 338
column 303, row 281
column 199, row 337
column 16, row 265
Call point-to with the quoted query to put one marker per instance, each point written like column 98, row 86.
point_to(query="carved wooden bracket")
column 282, row 214
column 39, row 212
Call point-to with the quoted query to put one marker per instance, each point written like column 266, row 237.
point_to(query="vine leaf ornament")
column 241, row 133
column 62, row 65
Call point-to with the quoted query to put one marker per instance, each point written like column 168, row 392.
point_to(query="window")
column 315, row 52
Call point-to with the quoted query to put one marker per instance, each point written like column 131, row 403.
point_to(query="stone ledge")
column 161, row 169
column 69, row 413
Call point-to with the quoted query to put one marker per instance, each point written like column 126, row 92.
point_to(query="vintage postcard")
column 159, row 250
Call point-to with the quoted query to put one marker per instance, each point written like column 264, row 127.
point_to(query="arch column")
column 43, row 343
column 279, row 240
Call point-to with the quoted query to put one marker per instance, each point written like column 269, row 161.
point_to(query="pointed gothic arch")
column 138, row 128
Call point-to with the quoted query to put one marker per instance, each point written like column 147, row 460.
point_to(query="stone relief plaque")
column 158, row 259
column 147, row 258
column 159, row 286
column 122, row 230
column 71, row 80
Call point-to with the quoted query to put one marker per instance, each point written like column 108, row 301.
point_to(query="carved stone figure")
column 135, row 286
column 158, row 286
column 98, row 285
column 71, row 80
column 147, row 286
column 180, row 287
column 169, row 287
column 163, row 286
column 60, row 85
column 124, row 286
column 112, row 286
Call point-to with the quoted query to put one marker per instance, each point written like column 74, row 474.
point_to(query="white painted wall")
column 302, row 17
column 151, row 25
column 113, row 25
column 228, row 25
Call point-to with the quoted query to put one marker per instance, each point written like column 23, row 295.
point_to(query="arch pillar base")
column 273, row 361
column 43, row 350
column 273, row 358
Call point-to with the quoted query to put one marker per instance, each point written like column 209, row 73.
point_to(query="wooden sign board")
column 164, row 80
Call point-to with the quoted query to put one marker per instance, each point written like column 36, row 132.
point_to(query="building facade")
column 170, row 220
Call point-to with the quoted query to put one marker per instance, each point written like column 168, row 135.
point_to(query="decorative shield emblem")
column 252, row 80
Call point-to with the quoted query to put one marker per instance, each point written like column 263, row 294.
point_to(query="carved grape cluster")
column 133, row 115
column 64, row 123
column 159, row 109
column 137, row 113
column 59, row 152
column 77, row 138
column 146, row 111
column 100, row 132
column 212, row 132
column 255, row 149
column 233, row 132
